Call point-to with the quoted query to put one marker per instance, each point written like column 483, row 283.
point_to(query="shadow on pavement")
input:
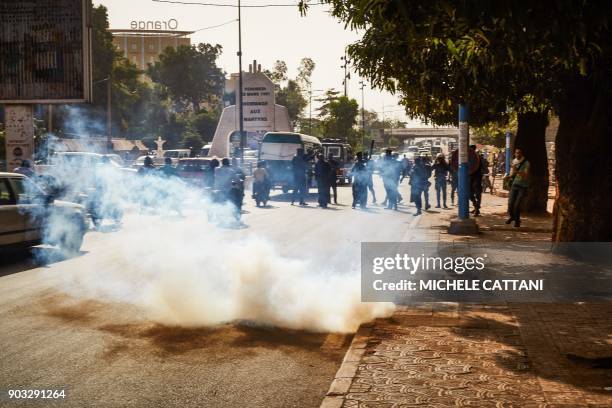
column 24, row 259
column 127, row 337
column 564, row 343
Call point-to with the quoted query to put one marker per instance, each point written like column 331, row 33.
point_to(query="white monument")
column 160, row 146
column 260, row 113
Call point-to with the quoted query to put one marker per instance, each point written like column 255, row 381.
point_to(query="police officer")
column 390, row 176
column 418, row 178
column 147, row 168
column 440, row 170
column 359, row 174
column 214, row 163
column 229, row 182
column 476, row 186
column 370, row 172
column 333, row 180
column 168, row 170
column 322, row 174
column 426, row 184
column 299, row 164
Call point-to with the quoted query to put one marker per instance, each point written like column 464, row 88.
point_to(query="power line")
column 233, row 5
column 215, row 26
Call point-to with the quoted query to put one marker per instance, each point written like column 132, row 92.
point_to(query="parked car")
column 29, row 216
column 195, row 170
column 205, row 150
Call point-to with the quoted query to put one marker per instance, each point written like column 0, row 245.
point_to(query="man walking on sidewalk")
column 518, row 189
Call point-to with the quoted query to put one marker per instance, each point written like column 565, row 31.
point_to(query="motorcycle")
column 261, row 192
column 100, row 209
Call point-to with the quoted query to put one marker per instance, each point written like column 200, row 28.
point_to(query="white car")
column 29, row 216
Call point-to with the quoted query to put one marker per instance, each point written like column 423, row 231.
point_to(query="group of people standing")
column 229, row 180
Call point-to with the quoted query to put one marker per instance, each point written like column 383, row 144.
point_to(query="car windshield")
column 335, row 151
column 25, row 190
column 194, row 165
column 278, row 151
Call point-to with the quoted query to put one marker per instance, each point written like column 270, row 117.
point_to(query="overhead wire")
column 235, row 5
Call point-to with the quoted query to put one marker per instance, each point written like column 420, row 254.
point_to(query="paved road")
column 109, row 353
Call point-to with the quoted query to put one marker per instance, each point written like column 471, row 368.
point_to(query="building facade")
column 143, row 47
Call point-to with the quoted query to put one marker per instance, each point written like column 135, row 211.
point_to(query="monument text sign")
column 44, row 51
column 258, row 107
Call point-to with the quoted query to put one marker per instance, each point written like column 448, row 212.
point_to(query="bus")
column 278, row 149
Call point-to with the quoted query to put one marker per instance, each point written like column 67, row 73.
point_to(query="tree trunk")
column 531, row 139
column 583, row 208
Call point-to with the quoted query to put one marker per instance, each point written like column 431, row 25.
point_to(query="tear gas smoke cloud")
column 173, row 260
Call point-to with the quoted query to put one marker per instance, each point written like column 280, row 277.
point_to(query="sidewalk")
column 449, row 354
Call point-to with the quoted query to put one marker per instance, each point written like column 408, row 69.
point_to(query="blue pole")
column 508, row 155
column 463, row 182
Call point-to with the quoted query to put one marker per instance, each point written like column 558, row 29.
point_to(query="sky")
column 268, row 34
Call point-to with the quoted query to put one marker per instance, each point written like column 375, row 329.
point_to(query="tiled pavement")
column 449, row 354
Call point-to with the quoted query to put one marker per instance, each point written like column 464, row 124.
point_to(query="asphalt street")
column 108, row 353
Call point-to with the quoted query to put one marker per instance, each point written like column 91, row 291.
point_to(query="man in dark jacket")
column 476, row 186
column 359, row 173
column 322, row 174
column 418, row 180
column 333, row 180
column 299, row 164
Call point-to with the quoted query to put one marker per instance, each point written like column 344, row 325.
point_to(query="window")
column 133, row 46
column 5, row 194
column 26, row 191
column 152, row 47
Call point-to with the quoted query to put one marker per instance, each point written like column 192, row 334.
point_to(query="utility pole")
column 347, row 76
column 463, row 224
column 50, row 118
column 240, row 107
column 310, row 111
column 383, row 121
column 109, row 134
column 310, row 91
column 362, row 115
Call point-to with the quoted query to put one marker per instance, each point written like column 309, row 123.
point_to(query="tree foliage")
column 190, row 75
column 498, row 56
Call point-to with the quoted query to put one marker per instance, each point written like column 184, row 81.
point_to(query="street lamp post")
column 109, row 135
column 109, row 132
column 240, row 107
column 310, row 91
column 362, row 115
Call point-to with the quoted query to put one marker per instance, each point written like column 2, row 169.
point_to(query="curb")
column 348, row 369
column 339, row 387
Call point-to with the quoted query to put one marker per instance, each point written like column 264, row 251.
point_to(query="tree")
column 190, row 75
column 307, row 66
column 205, row 124
column 523, row 55
column 278, row 74
column 494, row 133
column 339, row 117
column 292, row 94
column 103, row 53
column 293, row 99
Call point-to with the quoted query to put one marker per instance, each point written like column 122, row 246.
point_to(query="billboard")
column 45, row 51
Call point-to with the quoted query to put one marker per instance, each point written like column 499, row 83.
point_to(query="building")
column 142, row 47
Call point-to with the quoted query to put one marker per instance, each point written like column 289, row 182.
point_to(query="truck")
column 343, row 154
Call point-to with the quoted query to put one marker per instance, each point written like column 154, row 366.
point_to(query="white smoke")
column 173, row 260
